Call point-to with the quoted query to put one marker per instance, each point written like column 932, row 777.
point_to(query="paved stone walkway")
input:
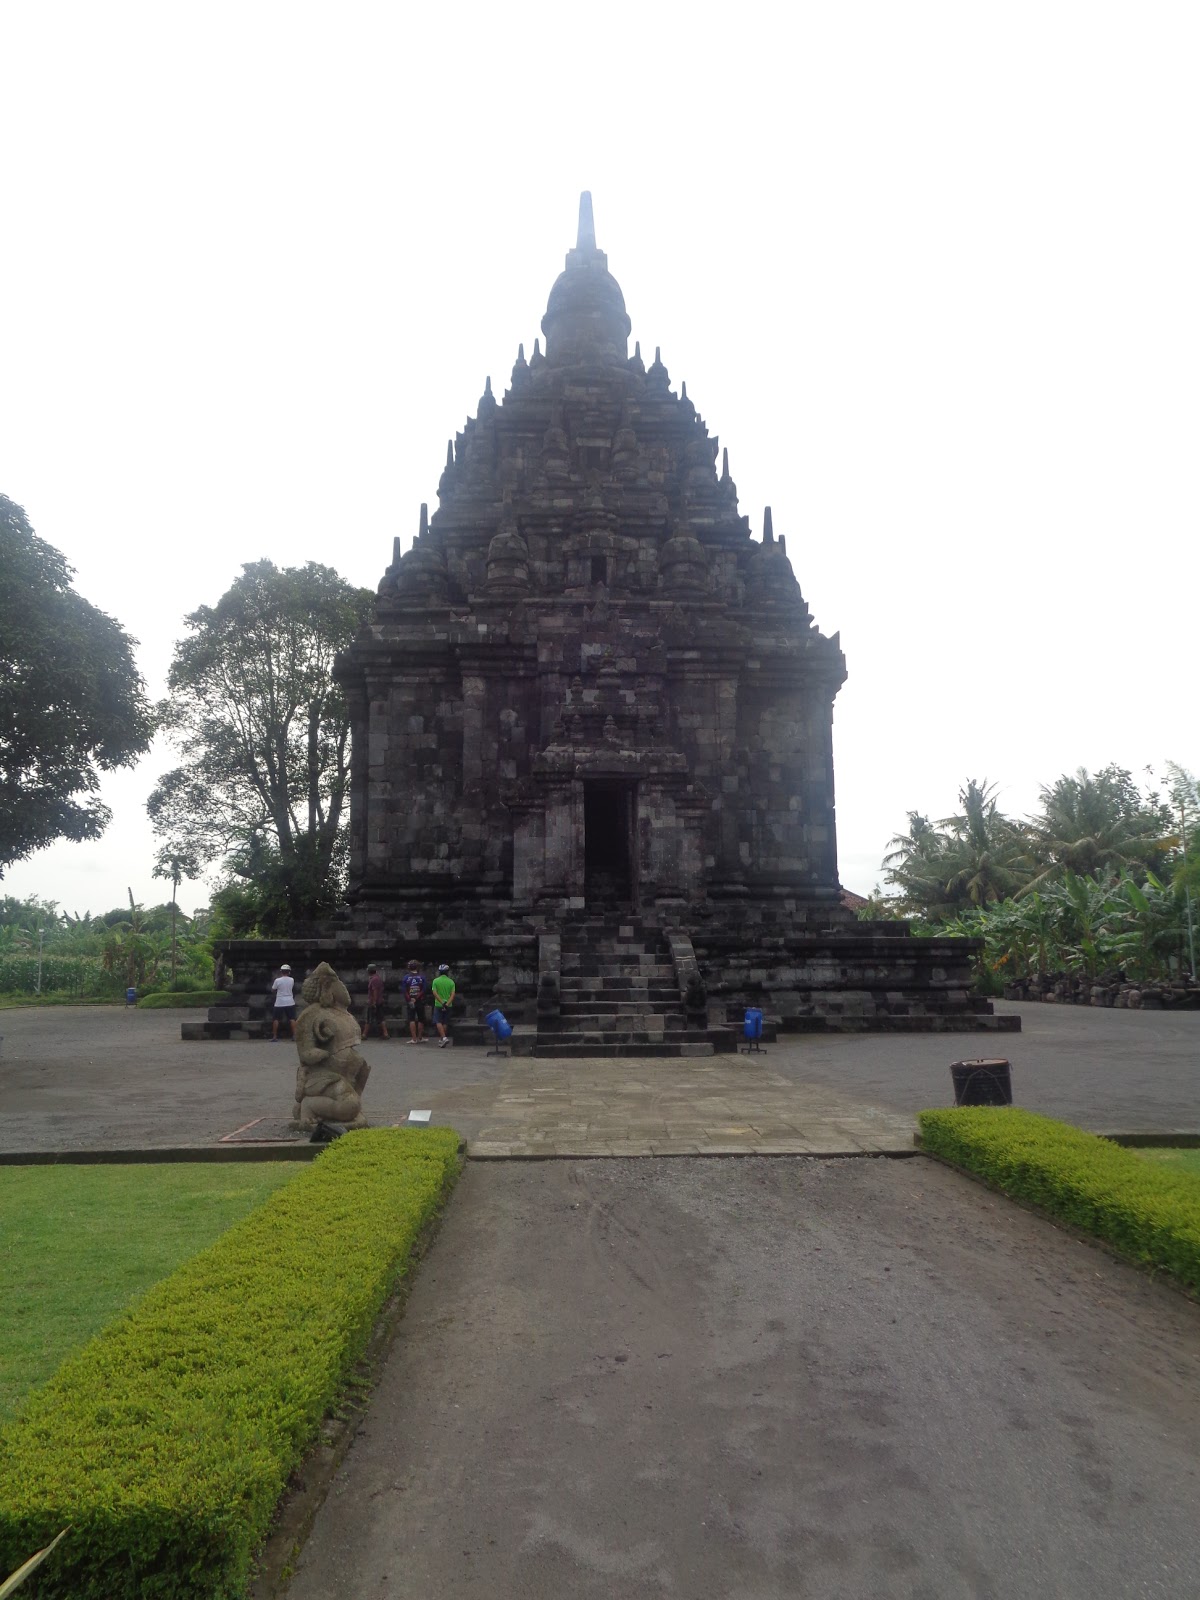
column 101, row 1078
column 722, row 1105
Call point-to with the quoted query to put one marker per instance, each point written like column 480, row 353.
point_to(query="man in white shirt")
column 285, row 1003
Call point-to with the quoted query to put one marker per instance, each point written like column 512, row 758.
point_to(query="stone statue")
column 332, row 1075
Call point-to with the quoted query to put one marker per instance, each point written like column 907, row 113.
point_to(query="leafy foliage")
column 1149, row 1213
column 1088, row 824
column 168, row 1439
column 971, row 858
column 98, row 958
column 978, row 856
column 79, row 976
column 264, row 733
column 72, row 702
column 1080, row 925
column 1094, row 882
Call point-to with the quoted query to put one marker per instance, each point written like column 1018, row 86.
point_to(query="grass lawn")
column 1170, row 1156
column 80, row 1244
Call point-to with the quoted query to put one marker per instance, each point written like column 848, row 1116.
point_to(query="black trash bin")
column 982, row 1083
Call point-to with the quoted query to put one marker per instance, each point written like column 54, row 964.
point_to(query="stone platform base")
column 631, row 981
column 981, row 1022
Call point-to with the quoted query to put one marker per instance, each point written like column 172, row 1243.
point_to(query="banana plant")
column 11, row 1584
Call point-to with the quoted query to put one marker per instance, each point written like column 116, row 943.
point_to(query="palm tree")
column 175, row 864
column 986, row 853
column 915, row 864
column 1089, row 824
column 973, row 858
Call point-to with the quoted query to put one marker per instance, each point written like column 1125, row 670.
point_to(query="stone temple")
column 592, row 733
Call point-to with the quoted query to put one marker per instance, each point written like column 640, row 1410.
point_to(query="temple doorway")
column 608, row 842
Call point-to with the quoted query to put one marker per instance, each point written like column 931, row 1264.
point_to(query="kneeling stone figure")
column 332, row 1075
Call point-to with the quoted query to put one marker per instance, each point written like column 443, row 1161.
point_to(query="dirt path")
column 757, row 1378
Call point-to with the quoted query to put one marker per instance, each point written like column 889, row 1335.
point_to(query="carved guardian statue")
column 332, row 1075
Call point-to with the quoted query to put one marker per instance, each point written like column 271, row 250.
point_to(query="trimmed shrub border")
column 308, row 1486
column 1145, row 1214
column 168, row 1440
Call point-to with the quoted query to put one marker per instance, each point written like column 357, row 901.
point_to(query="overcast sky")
column 932, row 273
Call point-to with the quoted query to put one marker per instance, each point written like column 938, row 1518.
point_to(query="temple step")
column 606, row 1006
column 595, row 983
column 619, row 995
column 704, row 1047
column 611, row 966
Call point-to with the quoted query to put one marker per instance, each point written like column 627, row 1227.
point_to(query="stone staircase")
column 619, row 995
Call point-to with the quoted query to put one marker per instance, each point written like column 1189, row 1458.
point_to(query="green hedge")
column 167, row 1441
column 1148, row 1213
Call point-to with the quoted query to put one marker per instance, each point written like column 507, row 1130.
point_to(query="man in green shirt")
column 443, row 999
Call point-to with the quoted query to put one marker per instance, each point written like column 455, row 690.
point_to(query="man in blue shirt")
column 413, row 984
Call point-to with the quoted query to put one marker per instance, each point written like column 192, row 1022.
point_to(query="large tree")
column 72, row 702
column 264, row 734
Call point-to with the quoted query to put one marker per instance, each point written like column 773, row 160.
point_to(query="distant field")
column 80, row 1244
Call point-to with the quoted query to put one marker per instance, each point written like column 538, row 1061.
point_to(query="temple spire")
column 587, row 227
column 768, row 530
column 424, row 525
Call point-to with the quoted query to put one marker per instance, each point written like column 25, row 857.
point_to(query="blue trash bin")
column 131, row 997
column 500, row 1026
column 752, row 1027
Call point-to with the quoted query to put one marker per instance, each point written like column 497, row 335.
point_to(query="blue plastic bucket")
column 499, row 1024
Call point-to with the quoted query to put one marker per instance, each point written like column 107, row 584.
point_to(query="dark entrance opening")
column 607, row 841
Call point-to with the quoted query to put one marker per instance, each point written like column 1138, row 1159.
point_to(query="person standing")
column 443, row 999
column 284, row 1008
column 375, row 1002
column 413, row 984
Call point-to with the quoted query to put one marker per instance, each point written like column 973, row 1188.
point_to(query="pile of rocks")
column 1105, row 989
